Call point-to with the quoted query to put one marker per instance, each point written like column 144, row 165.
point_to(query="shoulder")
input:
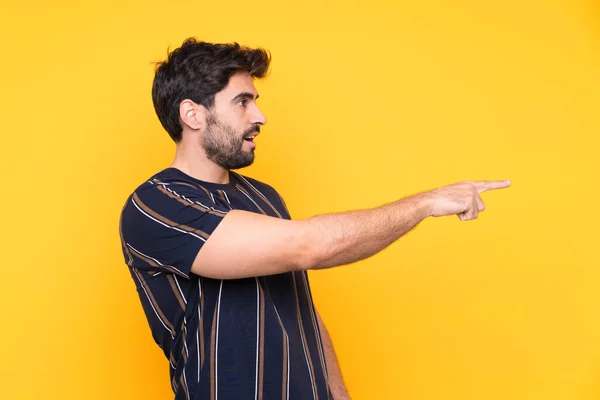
column 168, row 192
column 173, row 184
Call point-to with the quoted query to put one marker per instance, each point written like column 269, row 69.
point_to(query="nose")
column 259, row 118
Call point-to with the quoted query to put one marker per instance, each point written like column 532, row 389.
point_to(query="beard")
column 224, row 146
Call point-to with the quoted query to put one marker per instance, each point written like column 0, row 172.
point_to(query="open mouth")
column 251, row 137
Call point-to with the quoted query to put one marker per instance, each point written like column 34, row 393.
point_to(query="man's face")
column 232, row 124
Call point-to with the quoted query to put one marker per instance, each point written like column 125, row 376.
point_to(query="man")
column 219, row 265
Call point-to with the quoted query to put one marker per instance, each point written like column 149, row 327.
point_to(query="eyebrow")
column 245, row 95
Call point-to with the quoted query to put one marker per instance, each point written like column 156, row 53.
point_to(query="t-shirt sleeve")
column 163, row 227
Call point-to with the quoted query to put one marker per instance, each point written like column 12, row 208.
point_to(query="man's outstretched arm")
column 336, row 380
column 247, row 244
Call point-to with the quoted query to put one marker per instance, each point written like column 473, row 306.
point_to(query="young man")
column 219, row 266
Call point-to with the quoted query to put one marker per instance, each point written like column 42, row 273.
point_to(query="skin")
column 247, row 244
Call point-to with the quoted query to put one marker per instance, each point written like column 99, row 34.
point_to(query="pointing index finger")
column 482, row 186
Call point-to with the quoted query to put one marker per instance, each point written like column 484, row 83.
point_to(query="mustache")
column 249, row 131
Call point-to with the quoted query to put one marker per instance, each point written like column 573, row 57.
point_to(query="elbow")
column 309, row 249
column 305, row 258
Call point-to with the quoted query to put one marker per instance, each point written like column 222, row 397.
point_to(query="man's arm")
column 247, row 244
column 336, row 380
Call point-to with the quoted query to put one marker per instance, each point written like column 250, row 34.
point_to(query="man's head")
column 205, row 92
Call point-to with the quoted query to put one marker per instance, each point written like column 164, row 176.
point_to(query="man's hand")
column 462, row 199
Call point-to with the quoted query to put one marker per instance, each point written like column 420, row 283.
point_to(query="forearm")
column 344, row 238
column 335, row 381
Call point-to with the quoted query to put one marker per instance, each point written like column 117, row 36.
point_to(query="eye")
column 242, row 102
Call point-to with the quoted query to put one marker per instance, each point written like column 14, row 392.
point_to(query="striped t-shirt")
column 252, row 338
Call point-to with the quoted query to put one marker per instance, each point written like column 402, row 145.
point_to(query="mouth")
column 251, row 137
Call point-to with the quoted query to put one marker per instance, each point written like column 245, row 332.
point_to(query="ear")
column 192, row 114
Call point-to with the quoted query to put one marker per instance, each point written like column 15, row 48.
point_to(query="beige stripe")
column 182, row 183
column 261, row 351
column 154, row 303
column 205, row 191
column 175, row 386
column 173, row 284
column 283, row 202
column 123, row 240
column 185, row 358
column 261, row 197
column 154, row 264
column 183, row 351
column 201, row 328
column 212, row 355
column 248, row 194
column 173, row 361
column 186, row 184
column 127, row 251
column 187, row 203
column 285, row 372
column 185, row 389
column 168, row 221
column 315, row 323
column 157, row 181
column 221, row 195
column 303, row 337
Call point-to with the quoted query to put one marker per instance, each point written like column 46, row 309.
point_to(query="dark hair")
column 197, row 71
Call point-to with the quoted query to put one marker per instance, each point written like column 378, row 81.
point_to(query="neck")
column 191, row 159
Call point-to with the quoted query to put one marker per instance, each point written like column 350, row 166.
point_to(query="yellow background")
column 368, row 101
